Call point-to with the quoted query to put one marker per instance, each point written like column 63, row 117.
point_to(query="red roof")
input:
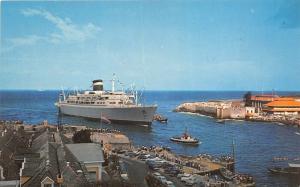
column 284, row 99
column 283, row 103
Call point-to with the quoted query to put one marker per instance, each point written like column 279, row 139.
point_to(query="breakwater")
column 230, row 109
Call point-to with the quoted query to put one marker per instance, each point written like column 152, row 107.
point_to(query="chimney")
column 59, row 179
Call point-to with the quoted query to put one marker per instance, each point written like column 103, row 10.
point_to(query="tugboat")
column 293, row 169
column 185, row 138
column 160, row 118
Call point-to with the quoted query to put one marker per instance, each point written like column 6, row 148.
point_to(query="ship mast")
column 63, row 92
column 136, row 97
column 113, row 83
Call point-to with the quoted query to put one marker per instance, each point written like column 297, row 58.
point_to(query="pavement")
column 137, row 171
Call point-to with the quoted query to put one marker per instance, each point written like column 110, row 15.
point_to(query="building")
column 250, row 111
column 37, row 156
column 237, row 109
column 50, row 164
column 111, row 141
column 259, row 101
column 283, row 106
column 91, row 155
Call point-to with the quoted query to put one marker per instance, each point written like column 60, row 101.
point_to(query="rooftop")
column 283, row 103
column 87, row 152
column 263, row 97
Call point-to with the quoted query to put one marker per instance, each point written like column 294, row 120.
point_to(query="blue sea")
column 256, row 143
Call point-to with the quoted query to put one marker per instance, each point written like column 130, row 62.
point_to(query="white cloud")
column 28, row 40
column 21, row 41
column 67, row 30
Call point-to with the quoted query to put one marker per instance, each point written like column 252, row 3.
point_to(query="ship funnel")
column 97, row 85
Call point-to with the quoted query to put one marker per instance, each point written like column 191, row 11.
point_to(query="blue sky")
column 158, row 45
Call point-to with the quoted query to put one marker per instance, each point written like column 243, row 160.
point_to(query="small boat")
column 160, row 118
column 226, row 174
column 105, row 120
column 220, row 121
column 185, row 138
column 298, row 133
column 293, row 169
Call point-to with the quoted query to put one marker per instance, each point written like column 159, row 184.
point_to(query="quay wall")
column 215, row 109
column 207, row 110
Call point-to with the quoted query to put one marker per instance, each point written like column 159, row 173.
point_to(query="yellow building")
column 283, row 106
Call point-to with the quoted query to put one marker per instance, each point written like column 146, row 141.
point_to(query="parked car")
column 172, row 172
column 169, row 184
column 162, row 179
column 185, row 177
column 143, row 156
column 180, row 175
column 190, row 182
column 124, row 176
column 156, row 174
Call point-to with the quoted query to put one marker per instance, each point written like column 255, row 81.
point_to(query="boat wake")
column 196, row 114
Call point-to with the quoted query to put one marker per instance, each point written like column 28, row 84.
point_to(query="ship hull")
column 140, row 115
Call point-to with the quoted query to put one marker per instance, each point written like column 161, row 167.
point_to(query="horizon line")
column 226, row 90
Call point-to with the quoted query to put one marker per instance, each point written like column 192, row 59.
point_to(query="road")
column 137, row 171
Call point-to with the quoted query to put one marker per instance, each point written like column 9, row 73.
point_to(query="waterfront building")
column 283, row 106
column 250, row 111
column 237, row 109
column 259, row 101
column 111, row 141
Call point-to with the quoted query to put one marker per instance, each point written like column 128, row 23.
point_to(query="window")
column 47, row 182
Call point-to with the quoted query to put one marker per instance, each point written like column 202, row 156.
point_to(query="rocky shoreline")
column 210, row 109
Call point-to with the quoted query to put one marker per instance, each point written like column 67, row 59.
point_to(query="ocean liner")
column 116, row 106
